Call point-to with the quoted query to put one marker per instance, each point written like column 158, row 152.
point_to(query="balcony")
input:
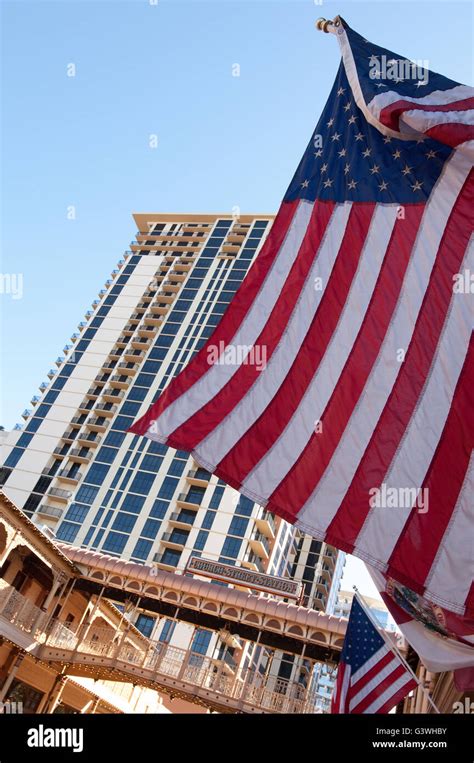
column 152, row 320
column 141, row 343
column 266, row 525
column 51, row 373
column 94, row 391
column 133, row 356
column 168, row 567
column 71, row 476
column 184, row 500
column 168, row 298
column 70, row 435
column 198, row 477
column 106, row 409
column 158, row 309
column 177, row 519
column 97, row 423
column 60, row 495
column 61, row 450
column 113, row 395
column 260, row 545
column 128, row 368
column 326, row 573
column 322, row 585
column 48, row 471
column 78, row 419
column 120, row 381
column 49, row 511
column 329, row 557
column 254, row 562
column 109, row 364
column 116, row 353
column 89, row 439
column 176, row 542
column 148, row 331
column 86, row 406
column 80, row 454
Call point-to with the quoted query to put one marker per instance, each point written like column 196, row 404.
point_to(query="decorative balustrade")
column 154, row 660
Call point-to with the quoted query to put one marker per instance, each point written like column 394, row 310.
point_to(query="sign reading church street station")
column 290, row 589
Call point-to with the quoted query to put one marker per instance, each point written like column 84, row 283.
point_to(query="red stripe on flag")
column 404, row 396
column 318, row 453
column 204, row 421
column 390, row 115
column 243, row 457
column 358, row 685
column 231, row 319
column 453, row 134
column 336, row 696
column 378, row 689
column 422, row 535
column 398, row 696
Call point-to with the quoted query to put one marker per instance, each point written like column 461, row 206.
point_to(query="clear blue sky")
column 160, row 69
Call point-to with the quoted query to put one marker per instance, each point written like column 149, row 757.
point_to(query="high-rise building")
column 74, row 468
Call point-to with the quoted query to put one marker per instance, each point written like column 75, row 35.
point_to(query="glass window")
column 67, row 532
column 142, row 483
column 171, row 557
column 150, row 528
column 176, row 467
column 168, row 487
column 201, row 640
column 231, row 547
column 86, row 494
column 159, row 509
column 133, row 503
column 97, row 473
column 124, row 522
column 145, row 624
column 76, row 512
column 115, row 542
column 142, row 549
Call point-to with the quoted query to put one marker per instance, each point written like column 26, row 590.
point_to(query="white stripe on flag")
column 247, row 411
column 247, row 333
column 271, row 470
column 322, row 506
column 344, row 688
column 371, row 662
column 437, row 97
column 391, row 691
column 408, row 469
column 425, row 120
column 454, row 553
column 373, row 683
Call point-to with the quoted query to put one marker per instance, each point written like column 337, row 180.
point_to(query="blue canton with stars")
column 362, row 639
column 349, row 160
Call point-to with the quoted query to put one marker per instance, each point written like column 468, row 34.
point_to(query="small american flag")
column 371, row 678
column 359, row 426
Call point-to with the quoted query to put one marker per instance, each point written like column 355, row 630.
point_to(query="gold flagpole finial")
column 326, row 25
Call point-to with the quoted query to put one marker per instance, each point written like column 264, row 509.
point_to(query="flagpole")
column 328, row 26
column 392, row 646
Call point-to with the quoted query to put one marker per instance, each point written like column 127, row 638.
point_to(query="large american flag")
column 358, row 427
column 371, row 678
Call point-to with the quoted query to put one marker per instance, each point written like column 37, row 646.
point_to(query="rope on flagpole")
column 391, row 645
